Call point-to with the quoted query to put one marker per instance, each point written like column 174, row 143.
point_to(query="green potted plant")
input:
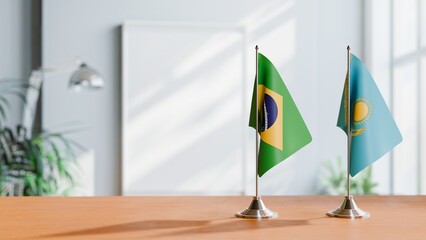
column 333, row 180
column 32, row 166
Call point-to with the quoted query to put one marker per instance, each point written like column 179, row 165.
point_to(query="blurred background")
column 172, row 115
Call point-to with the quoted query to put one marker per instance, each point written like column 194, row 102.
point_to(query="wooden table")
column 301, row 217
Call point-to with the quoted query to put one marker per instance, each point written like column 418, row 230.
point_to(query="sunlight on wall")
column 214, row 45
column 265, row 13
column 406, row 114
column 193, row 121
column 405, row 21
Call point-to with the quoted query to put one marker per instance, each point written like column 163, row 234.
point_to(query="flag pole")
column 348, row 209
column 257, row 122
column 349, row 130
column 257, row 208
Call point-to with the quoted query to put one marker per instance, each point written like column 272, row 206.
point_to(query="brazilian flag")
column 373, row 129
column 281, row 127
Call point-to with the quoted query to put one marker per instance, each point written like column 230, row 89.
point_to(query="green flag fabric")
column 373, row 129
column 280, row 125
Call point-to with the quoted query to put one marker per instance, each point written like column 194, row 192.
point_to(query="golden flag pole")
column 257, row 208
column 348, row 209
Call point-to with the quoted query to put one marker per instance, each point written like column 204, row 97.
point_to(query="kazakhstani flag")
column 281, row 127
column 373, row 129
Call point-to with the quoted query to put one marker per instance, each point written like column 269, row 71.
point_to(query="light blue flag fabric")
column 374, row 131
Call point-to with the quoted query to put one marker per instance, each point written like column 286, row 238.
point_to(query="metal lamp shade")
column 87, row 78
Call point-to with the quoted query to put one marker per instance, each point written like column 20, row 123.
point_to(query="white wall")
column 305, row 39
column 15, row 47
column 395, row 55
column 378, row 55
column 340, row 23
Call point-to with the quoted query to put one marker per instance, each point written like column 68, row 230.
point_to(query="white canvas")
column 183, row 118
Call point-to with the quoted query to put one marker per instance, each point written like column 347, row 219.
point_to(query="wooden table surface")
column 300, row 217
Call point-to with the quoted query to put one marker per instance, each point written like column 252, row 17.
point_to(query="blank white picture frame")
column 183, row 116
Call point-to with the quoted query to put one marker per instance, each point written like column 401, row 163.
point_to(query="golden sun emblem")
column 362, row 111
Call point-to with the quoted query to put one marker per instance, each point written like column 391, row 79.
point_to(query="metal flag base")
column 257, row 209
column 349, row 209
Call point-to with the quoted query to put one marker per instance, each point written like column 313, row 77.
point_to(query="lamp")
column 86, row 77
column 82, row 77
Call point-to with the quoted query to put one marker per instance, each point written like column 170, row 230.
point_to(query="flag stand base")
column 257, row 209
column 348, row 209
